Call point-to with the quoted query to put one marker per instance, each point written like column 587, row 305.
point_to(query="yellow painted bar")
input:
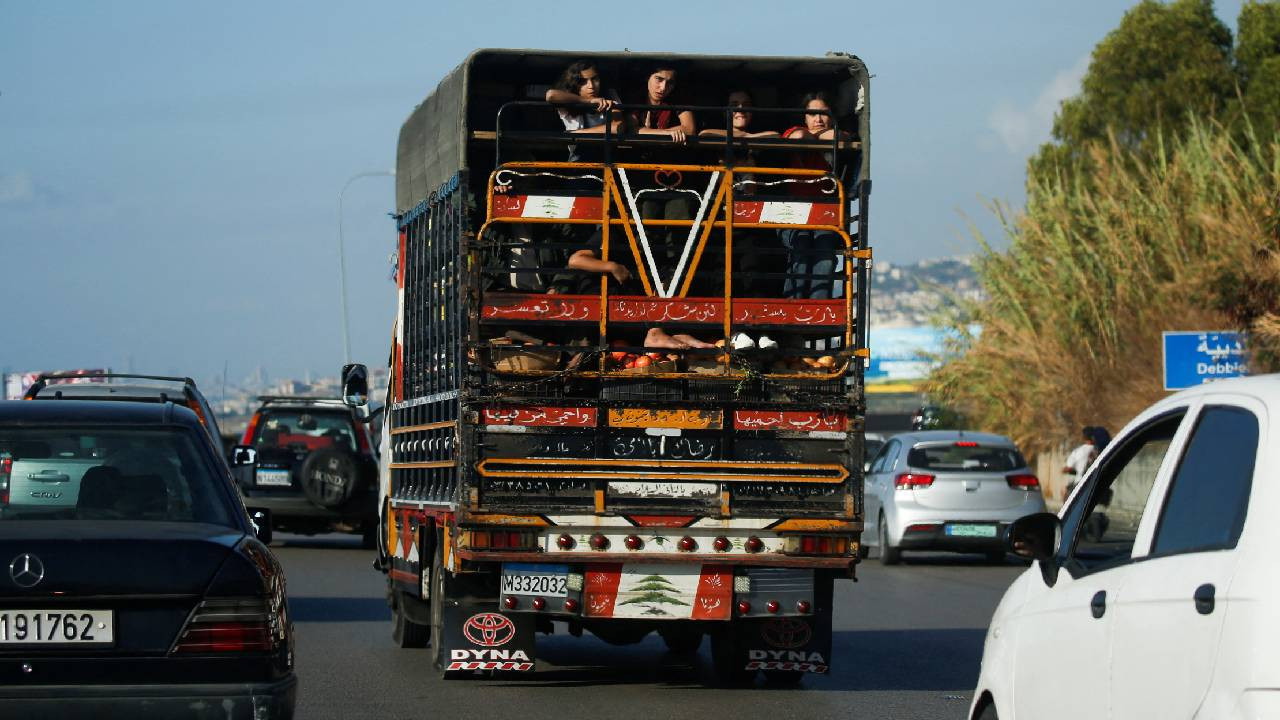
column 802, row 524
column 510, row 520
column 420, row 428
column 421, row 465
column 681, row 419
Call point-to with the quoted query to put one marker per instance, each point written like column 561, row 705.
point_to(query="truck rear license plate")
column 981, row 531
column 268, row 477
column 61, row 627
column 535, row 579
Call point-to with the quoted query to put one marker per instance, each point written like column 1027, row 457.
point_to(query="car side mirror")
column 260, row 518
column 244, row 456
column 1035, row 537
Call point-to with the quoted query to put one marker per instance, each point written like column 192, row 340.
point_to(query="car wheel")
column 889, row 555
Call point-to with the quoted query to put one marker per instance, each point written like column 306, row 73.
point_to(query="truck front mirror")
column 355, row 385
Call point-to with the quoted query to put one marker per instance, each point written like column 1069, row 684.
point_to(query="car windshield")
column 964, row 457
column 108, row 473
column 305, row 430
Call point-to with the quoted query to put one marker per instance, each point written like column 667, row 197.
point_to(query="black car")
column 316, row 468
column 133, row 582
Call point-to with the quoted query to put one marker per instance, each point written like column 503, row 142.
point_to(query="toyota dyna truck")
column 668, row 438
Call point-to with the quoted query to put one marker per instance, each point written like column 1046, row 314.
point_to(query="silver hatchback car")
column 948, row 490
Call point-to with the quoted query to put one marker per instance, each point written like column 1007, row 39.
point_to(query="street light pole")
column 342, row 258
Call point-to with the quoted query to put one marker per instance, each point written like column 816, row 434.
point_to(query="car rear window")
column 109, row 473
column 305, row 430
column 964, row 457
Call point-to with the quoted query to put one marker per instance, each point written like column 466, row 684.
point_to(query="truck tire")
column 405, row 632
column 681, row 641
column 439, row 648
column 889, row 555
column 330, row 478
column 728, row 660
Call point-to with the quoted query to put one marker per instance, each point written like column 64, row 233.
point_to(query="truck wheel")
column 728, row 660
column 889, row 555
column 405, row 632
column 681, row 641
column 439, row 648
column 783, row 677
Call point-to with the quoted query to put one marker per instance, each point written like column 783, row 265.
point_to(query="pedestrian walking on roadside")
column 1081, row 458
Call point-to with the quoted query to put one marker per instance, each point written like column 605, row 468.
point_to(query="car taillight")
column 815, row 545
column 499, row 540
column 221, row 625
column 966, row 443
column 1023, row 481
column 908, row 481
column 6, row 468
column 251, row 429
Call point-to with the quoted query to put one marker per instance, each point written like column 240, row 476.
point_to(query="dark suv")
column 129, row 388
column 316, row 468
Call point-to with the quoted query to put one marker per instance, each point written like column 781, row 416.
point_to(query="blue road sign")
column 1194, row 358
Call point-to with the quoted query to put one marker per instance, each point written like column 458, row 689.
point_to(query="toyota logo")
column 787, row 633
column 489, row 629
column 26, row 570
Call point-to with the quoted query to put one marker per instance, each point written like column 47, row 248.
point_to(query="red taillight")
column 633, row 542
column 744, row 607
column 499, row 540
column 966, row 443
column 754, row 544
column 772, row 606
column 564, row 542
column 1023, row 482
column 509, row 602
column 909, row 481
column 251, row 429
column 818, row 545
column 538, row 603
column 6, row 468
column 722, row 544
column 687, row 544
column 598, row 542
column 571, row 605
column 230, row 625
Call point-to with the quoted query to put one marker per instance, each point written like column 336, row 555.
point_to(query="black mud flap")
column 798, row 644
column 479, row 638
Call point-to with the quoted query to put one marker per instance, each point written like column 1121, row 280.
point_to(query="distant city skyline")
column 169, row 190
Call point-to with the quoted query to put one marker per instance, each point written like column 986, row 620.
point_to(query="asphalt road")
column 908, row 642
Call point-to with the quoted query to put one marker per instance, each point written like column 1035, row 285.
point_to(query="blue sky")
column 169, row 172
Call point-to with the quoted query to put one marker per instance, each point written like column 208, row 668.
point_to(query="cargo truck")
column 544, row 464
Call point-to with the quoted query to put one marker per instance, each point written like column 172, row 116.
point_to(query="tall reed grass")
column 1096, row 270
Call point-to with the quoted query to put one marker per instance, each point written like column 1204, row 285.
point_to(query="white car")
column 948, row 490
column 1154, row 594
